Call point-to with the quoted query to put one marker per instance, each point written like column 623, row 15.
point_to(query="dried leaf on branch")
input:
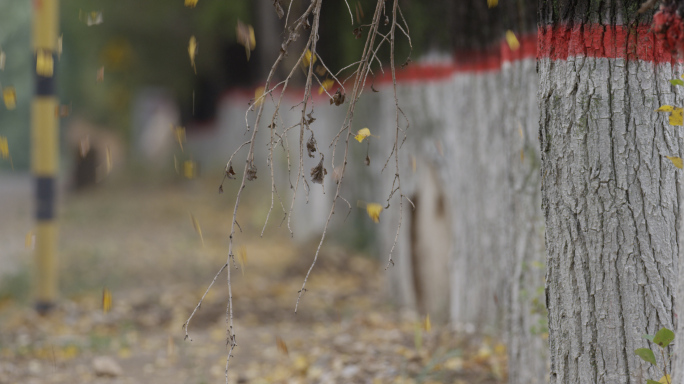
column 338, row 98
column 311, row 146
column 318, row 172
column 251, row 171
column 278, row 9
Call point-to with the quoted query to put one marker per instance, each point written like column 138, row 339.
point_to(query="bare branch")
column 187, row 322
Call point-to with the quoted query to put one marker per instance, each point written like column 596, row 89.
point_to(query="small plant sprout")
column 662, row 339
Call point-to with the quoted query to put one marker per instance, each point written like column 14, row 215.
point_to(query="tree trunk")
column 477, row 128
column 609, row 194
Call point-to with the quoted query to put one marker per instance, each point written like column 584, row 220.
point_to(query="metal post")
column 45, row 151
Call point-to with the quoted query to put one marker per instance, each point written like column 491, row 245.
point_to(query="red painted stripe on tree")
column 556, row 43
column 601, row 41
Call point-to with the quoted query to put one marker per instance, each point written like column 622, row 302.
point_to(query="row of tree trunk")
column 550, row 179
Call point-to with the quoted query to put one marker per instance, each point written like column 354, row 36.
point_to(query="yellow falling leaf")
column 100, row 74
column 59, row 46
column 427, row 324
column 308, row 56
column 4, row 147
column 374, row 210
column 677, row 161
column 414, row 165
column 108, row 161
column 677, row 117
column 665, row 380
column 282, row 347
column 682, row 76
column 10, row 97
column 190, row 3
column 512, row 41
column 252, row 38
column 192, row 51
column 179, row 132
column 326, row 85
column 44, row 63
column 68, row 352
column 492, row 3
column 259, row 96
column 665, row 108
column 106, row 300
column 245, row 37
column 242, row 258
column 94, row 18
column 189, row 169
column 30, row 240
column 362, row 134
column 301, row 365
column 196, row 225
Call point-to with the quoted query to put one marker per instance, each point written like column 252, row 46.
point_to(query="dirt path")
column 140, row 243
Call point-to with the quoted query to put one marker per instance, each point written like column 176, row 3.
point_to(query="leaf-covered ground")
column 137, row 239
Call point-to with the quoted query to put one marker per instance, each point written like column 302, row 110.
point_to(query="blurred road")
column 137, row 239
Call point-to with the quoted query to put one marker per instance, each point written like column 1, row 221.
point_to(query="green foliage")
column 648, row 337
column 646, row 355
column 662, row 339
column 677, row 82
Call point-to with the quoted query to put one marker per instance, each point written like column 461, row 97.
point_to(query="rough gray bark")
column 611, row 206
column 471, row 130
column 527, row 325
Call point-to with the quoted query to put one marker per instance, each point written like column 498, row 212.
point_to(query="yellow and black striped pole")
column 45, row 151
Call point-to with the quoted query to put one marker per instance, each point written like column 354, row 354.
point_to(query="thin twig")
column 187, row 322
